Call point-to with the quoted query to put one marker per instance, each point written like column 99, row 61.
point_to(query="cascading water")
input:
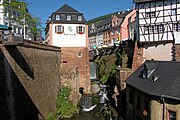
column 99, row 111
column 86, row 101
column 103, row 95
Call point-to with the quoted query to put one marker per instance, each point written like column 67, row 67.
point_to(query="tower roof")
column 67, row 9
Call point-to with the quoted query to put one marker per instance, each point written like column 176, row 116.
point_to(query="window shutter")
column 84, row 29
column 63, row 29
column 77, row 29
column 55, row 29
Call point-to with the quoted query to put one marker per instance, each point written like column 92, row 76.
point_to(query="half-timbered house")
column 158, row 20
column 158, row 28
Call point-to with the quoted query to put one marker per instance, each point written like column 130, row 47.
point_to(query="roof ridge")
column 67, row 9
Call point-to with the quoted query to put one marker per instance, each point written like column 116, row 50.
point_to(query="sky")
column 90, row 8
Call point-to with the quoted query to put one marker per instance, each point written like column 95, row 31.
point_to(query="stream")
column 99, row 109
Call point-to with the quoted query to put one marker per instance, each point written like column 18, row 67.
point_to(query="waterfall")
column 103, row 95
column 86, row 101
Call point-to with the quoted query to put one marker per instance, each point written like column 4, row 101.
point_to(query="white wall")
column 160, row 52
column 68, row 39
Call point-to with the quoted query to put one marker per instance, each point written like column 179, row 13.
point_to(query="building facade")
column 158, row 28
column 20, row 30
column 112, row 29
column 152, row 92
column 66, row 28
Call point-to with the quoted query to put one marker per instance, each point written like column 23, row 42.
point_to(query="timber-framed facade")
column 158, row 21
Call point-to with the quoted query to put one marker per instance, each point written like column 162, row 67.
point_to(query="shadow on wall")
column 17, row 56
column 15, row 103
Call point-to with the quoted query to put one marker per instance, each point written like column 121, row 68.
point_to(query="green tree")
column 16, row 13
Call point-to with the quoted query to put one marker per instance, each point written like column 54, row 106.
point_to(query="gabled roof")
column 163, row 80
column 67, row 9
column 63, row 12
column 123, row 14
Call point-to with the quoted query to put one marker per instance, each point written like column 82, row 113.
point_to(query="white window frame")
column 79, row 18
column 146, row 28
column 58, row 17
column 68, row 18
column 161, row 28
column 59, row 29
column 80, row 29
column 173, row 12
column 151, row 29
column 155, row 29
column 153, row 14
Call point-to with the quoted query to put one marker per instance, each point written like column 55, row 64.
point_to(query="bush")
column 64, row 107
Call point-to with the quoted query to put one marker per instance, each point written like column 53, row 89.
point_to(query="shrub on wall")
column 64, row 107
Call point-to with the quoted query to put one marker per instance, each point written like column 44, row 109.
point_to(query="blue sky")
column 90, row 8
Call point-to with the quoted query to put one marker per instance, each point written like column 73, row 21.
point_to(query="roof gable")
column 67, row 9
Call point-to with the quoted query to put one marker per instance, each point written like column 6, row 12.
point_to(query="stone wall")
column 29, row 80
column 70, row 77
column 124, row 74
column 177, row 52
column 137, row 57
column 78, row 58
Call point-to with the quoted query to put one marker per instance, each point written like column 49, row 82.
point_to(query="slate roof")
column 137, row 1
column 167, row 82
column 63, row 12
column 124, row 14
column 67, row 9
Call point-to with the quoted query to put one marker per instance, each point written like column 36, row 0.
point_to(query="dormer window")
column 58, row 17
column 79, row 18
column 68, row 18
column 146, row 73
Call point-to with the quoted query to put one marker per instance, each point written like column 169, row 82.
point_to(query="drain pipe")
column 163, row 97
column 162, row 100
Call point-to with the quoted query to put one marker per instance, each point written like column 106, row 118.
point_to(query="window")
column 79, row 54
column 176, row 27
column 58, row 17
column 80, row 29
column 153, row 14
column 171, row 115
column 151, row 29
column 173, row 12
column 59, row 29
column 112, row 33
column 161, row 28
column 68, row 18
column 79, row 18
column 146, row 28
column 150, row 14
column 147, row 15
column 155, row 29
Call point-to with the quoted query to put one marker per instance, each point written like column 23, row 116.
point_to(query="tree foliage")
column 16, row 13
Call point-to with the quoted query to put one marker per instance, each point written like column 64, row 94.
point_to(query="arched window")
column 58, row 17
